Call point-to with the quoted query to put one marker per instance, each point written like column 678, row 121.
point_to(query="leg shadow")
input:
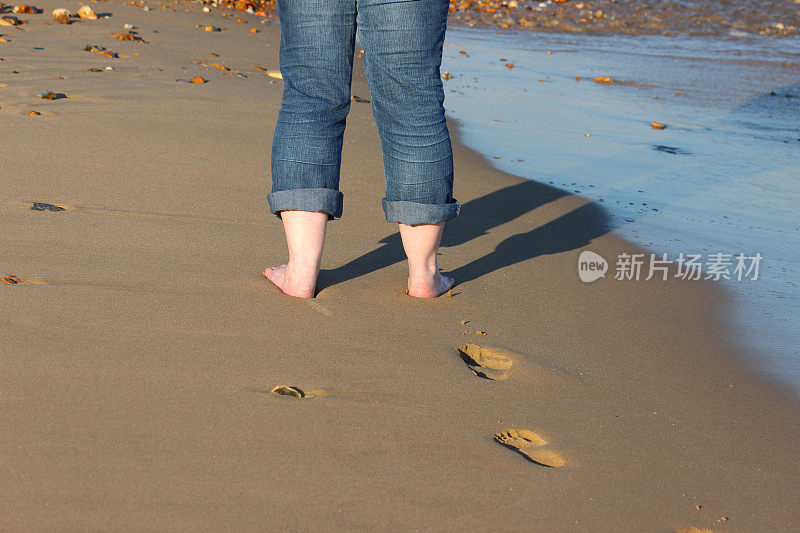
column 568, row 232
column 480, row 215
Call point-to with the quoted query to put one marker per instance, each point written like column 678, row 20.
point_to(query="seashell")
column 61, row 15
column 85, row 12
column 30, row 10
column 8, row 20
column 284, row 390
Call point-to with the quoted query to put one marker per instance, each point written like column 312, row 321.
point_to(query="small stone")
column 50, row 95
column 42, row 206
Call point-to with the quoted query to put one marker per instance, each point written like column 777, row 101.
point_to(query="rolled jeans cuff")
column 320, row 200
column 412, row 213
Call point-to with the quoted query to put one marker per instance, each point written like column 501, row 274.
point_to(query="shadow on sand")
column 567, row 232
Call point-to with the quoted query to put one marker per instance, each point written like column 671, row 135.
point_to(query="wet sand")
column 139, row 351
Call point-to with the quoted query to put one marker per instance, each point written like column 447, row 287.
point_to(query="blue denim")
column 402, row 41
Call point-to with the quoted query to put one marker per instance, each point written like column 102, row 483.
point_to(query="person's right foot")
column 430, row 285
column 290, row 283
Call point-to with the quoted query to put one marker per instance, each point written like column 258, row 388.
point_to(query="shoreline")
column 138, row 369
column 724, row 183
column 645, row 17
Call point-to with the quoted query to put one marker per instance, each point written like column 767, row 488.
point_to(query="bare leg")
column 421, row 242
column 305, row 235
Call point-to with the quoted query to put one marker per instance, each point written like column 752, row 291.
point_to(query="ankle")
column 303, row 267
column 422, row 270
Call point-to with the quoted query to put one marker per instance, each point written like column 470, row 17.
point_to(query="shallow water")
column 723, row 177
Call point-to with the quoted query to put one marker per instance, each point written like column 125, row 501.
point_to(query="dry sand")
column 138, row 354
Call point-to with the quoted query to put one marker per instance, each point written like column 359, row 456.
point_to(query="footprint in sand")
column 530, row 445
column 487, row 362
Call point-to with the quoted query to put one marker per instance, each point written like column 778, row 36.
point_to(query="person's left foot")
column 289, row 282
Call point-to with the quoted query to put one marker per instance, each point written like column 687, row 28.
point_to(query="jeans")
column 402, row 41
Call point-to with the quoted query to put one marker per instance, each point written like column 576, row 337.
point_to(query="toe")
column 447, row 284
column 271, row 272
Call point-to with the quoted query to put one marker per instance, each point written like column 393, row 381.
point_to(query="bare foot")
column 292, row 283
column 429, row 285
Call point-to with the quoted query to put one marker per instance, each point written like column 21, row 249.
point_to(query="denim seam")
column 318, row 199
column 421, row 213
column 304, row 162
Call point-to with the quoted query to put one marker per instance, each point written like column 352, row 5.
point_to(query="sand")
column 139, row 351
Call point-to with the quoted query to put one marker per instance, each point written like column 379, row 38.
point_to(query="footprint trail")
column 530, row 445
column 487, row 362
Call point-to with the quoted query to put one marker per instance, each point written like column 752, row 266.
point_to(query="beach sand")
column 140, row 349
